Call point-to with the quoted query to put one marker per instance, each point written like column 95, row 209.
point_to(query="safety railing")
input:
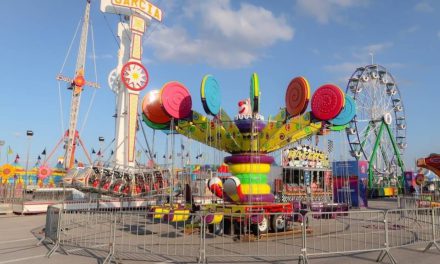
column 164, row 234
column 344, row 232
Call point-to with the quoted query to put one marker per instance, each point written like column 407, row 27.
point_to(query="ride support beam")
column 373, row 156
column 397, row 153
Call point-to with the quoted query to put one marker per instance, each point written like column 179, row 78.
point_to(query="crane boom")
column 77, row 84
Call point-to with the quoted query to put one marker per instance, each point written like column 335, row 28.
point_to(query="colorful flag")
column 10, row 151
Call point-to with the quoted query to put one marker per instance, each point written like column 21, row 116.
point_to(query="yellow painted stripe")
column 249, row 168
column 255, row 189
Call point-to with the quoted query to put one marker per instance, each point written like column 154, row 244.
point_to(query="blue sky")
column 325, row 41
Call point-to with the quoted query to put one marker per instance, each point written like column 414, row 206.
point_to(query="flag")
column 99, row 153
column 76, row 161
column 111, row 153
column 10, row 151
column 93, row 151
column 39, row 158
column 187, row 155
column 163, row 156
column 44, row 152
column 182, row 146
column 330, row 145
column 154, row 156
column 138, row 154
column 16, row 158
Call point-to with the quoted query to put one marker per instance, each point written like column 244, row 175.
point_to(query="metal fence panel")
column 143, row 235
column 344, row 232
column 256, row 236
column 125, row 229
column 52, row 223
column 410, row 226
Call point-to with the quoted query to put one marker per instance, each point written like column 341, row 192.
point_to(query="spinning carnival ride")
column 378, row 132
column 248, row 138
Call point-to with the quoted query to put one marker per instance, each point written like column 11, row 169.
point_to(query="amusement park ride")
column 370, row 111
column 378, row 132
column 432, row 163
column 72, row 137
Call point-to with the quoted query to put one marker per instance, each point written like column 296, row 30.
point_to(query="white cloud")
column 360, row 57
column 412, row 29
column 344, row 67
column 424, row 7
column 364, row 53
column 225, row 37
column 325, row 11
column 378, row 47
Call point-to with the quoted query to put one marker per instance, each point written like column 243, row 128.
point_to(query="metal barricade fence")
column 10, row 193
column 344, row 232
column 407, row 202
column 157, row 236
column 407, row 227
column 52, row 227
column 254, row 237
column 87, row 230
column 135, row 233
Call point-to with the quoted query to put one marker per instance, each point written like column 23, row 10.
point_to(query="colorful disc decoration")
column 7, row 171
column 297, row 96
column 255, row 93
column 347, row 113
column 327, row 102
column 210, row 94
column 153, row 125
column 152, row 108
column 44, row 172
column 176, row 100
column 134, row 76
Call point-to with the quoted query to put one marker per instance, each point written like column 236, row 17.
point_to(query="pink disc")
column 327, row 102
column 176, row 100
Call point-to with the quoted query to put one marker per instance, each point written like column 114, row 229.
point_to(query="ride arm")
column 280, row 134
column 427, row 164
column 209, row 132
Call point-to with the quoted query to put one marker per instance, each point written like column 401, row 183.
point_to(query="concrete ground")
column 20, row 234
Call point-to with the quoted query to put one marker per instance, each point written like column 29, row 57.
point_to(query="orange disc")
column 152, row 108
column 297, row 96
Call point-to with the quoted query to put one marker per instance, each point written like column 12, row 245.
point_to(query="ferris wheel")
column 378, row 132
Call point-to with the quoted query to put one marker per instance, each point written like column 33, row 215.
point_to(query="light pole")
column 101, row 150
column 2, row 143
column 29, row 134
